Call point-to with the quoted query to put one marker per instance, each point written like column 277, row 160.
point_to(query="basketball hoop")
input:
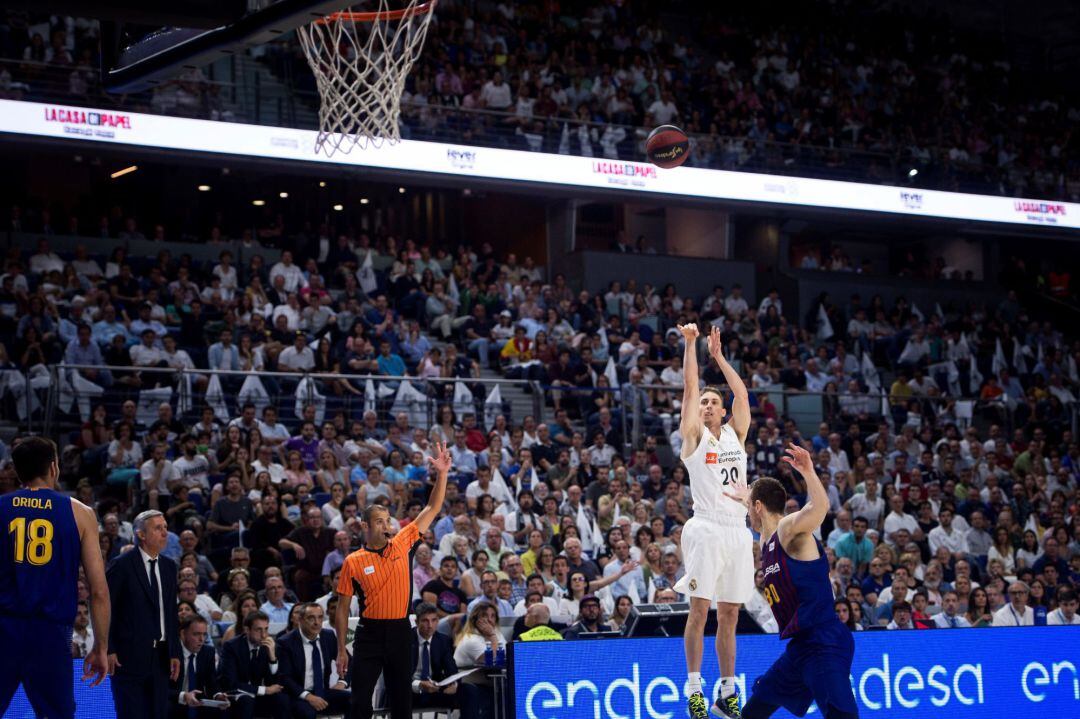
column 360, row 61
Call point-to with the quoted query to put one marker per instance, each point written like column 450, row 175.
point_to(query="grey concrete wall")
column 693, row 277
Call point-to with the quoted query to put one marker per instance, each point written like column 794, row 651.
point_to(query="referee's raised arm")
column 440, row 461
column 380, row 574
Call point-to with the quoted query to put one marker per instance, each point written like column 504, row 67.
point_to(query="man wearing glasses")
column 1016, row 613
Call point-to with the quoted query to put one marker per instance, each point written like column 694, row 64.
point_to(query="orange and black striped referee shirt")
column 382, row 581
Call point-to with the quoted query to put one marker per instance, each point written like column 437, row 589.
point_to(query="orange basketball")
column 667, row 146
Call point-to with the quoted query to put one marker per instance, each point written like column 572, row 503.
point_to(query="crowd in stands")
column 832, row 89
column 950, row 463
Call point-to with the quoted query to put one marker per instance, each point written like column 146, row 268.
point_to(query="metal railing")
column 53, row 407
column 283, row 390
column 218, row 99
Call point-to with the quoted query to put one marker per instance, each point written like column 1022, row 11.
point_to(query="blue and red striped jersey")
column 799, row 593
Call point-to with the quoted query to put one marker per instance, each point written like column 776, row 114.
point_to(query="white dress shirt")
column 184, row 671
column 419, row 664
column 1057, row 618
column 273, row 665
column 1007, row 616
column 941, row 621
column 309, row 672
column 955, row 541
column 157, row 570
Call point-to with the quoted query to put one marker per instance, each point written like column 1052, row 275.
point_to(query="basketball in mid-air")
column 667, row 146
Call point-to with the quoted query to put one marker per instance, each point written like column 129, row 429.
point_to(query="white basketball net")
column 360, row 69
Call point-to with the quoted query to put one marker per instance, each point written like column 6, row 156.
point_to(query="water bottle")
column 500, row 656
column 489, row 658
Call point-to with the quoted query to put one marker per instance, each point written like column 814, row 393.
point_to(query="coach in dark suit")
column 144, row 640
column 307, row 655
column 432, row 661
column 249, row 665
column 198, row 674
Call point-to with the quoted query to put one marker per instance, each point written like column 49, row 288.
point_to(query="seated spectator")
column 442, row 592
column 1016, row 613
column 489, row 594
column 198, row 677
column 538, row 614
column 275, row 608
column 433, row 661
column 306, row 655
column 480, row 629
column 588, row 619
column 249, row 664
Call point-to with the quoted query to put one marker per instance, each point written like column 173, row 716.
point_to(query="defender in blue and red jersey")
column 816, row 665
column 47, row 536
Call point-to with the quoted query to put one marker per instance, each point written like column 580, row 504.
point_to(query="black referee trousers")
column 382, row 646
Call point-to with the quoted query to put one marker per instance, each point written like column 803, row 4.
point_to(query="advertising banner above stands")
column 156, row 131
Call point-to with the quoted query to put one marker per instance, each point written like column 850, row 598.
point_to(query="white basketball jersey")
column 718, row 464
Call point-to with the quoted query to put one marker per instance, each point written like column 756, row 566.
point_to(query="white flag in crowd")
column 824, row 326
column 369, row 396
column 215, row 397
column 869, row 372
column 146, row 409
column 365, row 276
column 254, row 391
column 1020, row 355
column 307, row 392
column 463, row 400
column 999, row 362
column 492, row 406
column 413, row 402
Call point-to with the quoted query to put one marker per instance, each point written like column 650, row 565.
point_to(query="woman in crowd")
column 545, row 563
column 123, row 456
column 470, row 579
column 534, row 542
column 394, row 472
column 1029, row 551
column 237, row 582
column 650, row 563
column 485, row 507
column 423, row 570
column 1002, row 549
column 296, row 474
column 842, row 607
column 978, row 609
column 618, row 617
column 480, row 629
column 332, row 509
column 445, row 427
column 244, row 605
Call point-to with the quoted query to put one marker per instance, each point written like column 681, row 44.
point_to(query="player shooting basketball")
column 717, row 546
column 816, row 664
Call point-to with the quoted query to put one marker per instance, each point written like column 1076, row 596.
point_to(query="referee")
column 380, row 575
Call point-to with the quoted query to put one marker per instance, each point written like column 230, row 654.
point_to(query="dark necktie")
column 155, row 594
column 316, row 668
column 425, row 662
column 952, row 622
column 254, row 654
column 190, row 683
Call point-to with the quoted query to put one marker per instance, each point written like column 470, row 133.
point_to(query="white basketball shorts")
column 718, row 556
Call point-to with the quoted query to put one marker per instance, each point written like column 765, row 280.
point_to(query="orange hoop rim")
column 402, row 14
